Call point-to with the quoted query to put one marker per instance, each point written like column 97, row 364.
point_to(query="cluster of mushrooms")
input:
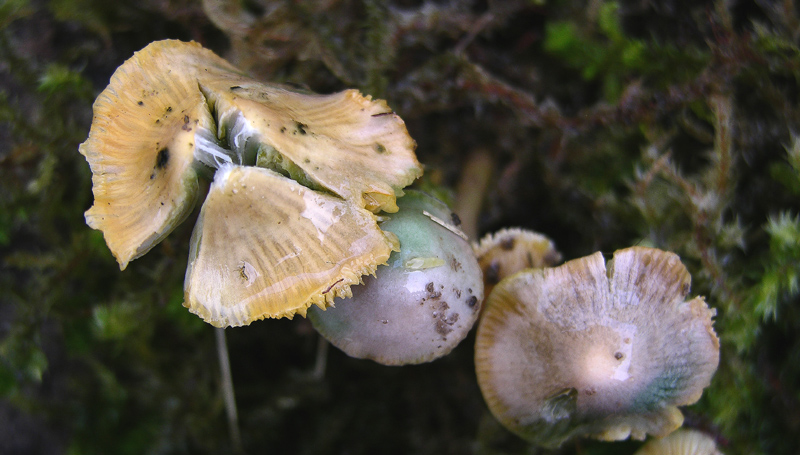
column 306, row 210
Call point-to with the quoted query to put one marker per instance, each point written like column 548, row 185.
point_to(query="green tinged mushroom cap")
column 421, row 304
column 586, row 349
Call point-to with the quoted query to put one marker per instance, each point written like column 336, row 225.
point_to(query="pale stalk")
column 227, row 390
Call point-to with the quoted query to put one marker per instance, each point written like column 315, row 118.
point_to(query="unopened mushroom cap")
column 681, row 442
column 581, row 350
column 421, row 304
column 509, row 250
column 345, row 143
column 267, row 247
column 141, row 146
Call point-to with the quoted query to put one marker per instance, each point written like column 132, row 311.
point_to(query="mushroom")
column 344, row 143
column 510, row 250
column 174, row 105
column 681, row 442
column 581, row 350
column 175, row 111
column 142, row 145
column 419, row 306
column 265, row 246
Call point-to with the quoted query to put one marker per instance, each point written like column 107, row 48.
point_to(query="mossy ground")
column 668, row 123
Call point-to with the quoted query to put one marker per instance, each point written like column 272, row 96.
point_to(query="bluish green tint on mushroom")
column 421, row 304
column 585, row 350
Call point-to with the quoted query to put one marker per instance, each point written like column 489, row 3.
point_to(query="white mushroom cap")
column 578, row 350
column 419, row 306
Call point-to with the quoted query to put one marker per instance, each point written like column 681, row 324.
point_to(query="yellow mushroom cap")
column 509, row 250
column 345, row 143
column 141, row 146
column 175, row 104
column 581, row 350
column 267, row 247
column 681, row 442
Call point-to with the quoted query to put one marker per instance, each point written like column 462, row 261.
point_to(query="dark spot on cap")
column 235, row 87
column 162, row 158
column 301, row 128
column 685, row 289
column 169, row 109
column 472, row 301
column 443, row 322
column 382, row 114
column 186, row 121
column 140, row 103
column 380, row 148
column 507, row 243
column 283, row 129
column 455, row 219
column 618, row 355
column 429, row 287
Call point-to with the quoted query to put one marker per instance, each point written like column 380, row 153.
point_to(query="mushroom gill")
column 681, row 442
column 141, row 148
column 345, row 143
column 265, row 246
column 175, row 110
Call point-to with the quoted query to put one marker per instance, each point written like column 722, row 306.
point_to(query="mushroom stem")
column 227, row 390
column 471, row 191
column 321, row 361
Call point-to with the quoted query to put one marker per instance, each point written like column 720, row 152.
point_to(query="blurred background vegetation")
column 667, row 123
